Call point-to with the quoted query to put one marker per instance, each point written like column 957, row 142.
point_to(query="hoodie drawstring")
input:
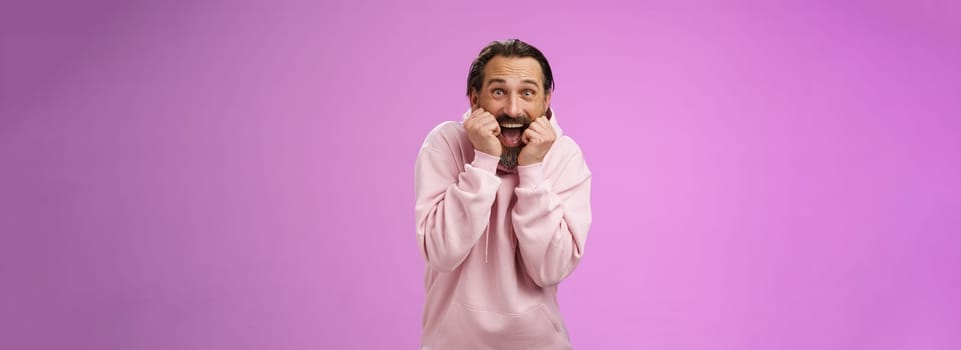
column 487, row 242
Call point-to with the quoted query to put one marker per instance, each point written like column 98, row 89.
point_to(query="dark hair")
column 507, row 48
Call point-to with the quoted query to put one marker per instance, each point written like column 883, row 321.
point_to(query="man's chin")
column 509, row 157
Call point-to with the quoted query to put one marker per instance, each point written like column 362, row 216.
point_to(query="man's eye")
column 498, row 92
column 528, row 92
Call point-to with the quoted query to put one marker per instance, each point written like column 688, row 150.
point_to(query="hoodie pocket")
column 470, row 327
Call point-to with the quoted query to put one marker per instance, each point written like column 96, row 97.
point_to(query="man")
column 503, row 209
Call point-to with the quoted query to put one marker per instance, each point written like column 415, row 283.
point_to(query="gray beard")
column 509, row 157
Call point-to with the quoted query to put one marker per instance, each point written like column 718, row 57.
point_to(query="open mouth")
column 511, row 133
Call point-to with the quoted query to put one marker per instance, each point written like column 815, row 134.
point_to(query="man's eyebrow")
column 502, row 81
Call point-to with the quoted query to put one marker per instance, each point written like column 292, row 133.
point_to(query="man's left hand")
column 538, row 138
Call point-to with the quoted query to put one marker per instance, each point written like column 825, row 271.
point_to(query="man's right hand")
column 483, row 129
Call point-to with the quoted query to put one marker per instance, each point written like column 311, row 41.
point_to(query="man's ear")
column 473, row 99
column 547, row 101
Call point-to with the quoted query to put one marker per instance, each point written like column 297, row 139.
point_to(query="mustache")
column 523, row 120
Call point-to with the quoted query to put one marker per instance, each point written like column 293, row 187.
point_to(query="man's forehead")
column 507, row 69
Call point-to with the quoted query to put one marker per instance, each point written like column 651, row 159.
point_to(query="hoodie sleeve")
column 551, row 220
column 453, row 207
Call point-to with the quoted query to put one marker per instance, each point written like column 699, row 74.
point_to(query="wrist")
column 486, row 161
column 530, row 175
column 524, row 161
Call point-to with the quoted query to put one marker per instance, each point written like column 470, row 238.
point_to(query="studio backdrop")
column 236, row 175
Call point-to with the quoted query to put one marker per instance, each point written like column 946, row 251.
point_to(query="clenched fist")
column 538, row 138
column 482, row 130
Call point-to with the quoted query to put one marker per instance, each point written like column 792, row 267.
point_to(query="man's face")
column 513, row 91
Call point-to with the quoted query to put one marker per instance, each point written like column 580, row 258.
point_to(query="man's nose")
column 515, row 106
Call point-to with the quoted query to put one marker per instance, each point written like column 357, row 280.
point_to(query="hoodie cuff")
column 485, row 161
column 530, row 175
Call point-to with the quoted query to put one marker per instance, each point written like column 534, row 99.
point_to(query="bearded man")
column 502, row 209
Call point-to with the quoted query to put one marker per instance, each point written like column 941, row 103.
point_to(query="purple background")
column 223, row 175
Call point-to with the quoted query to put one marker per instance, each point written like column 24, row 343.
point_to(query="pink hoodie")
column 497, row 242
